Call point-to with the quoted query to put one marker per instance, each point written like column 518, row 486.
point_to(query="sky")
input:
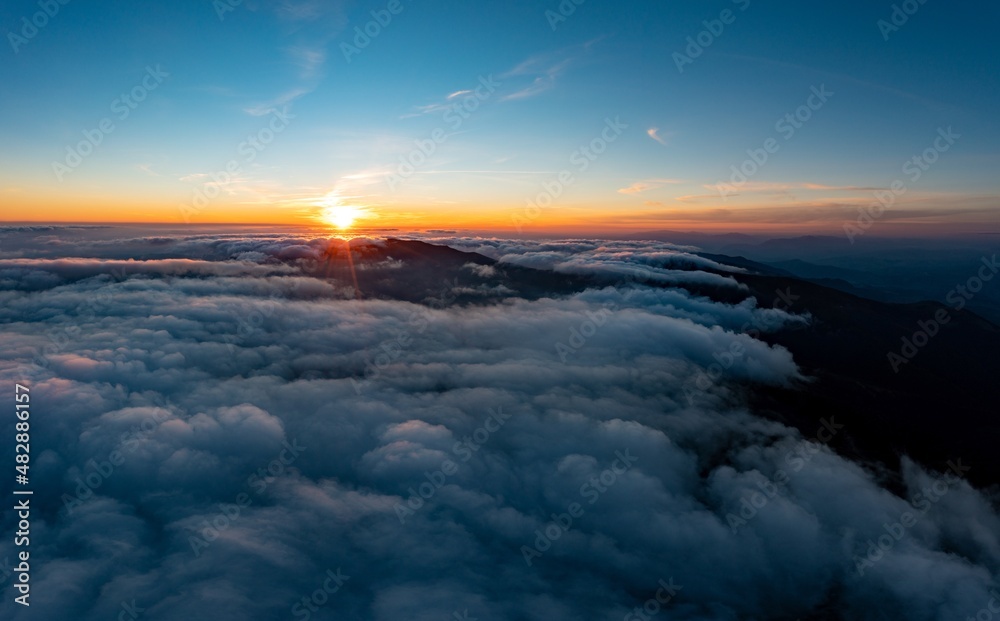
column 517, row 115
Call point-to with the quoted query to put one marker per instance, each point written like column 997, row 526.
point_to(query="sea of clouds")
column 218, row 433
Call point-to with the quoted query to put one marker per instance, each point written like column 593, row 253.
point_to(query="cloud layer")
column 272, row 429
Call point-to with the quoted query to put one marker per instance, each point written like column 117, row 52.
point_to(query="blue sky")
column 354, row 120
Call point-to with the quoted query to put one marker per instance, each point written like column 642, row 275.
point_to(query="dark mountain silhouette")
column 938, row 406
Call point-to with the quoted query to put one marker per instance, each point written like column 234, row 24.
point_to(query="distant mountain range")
column 880, row 268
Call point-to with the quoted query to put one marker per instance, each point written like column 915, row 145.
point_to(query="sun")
column 341, row 216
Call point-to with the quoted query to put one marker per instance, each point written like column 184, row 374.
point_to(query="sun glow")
column 341, row 216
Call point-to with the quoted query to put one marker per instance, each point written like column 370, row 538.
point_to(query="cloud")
column 285, row 99
column 285, row 426
column 643, row 186
column 654, row 133
column 483, row 271
column 608, row 260
column 76, row 269
column 148, row 169
column 309, row 60
column 314, row 25
column 543, row 70
column 300, row 10
column 636, row 188
column 531, row 77
column 693, row 198
column 539, row 84
column 831, row 213
column 779, row 188
column 448, row 103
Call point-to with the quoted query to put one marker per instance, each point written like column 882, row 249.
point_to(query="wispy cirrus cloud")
column 148, row 169
column 654, row 133
column 823, row 212
column 531, row 77
column 773, row 189
column 484, row 89
column 692, row 198
column 311, row 26
column 764, row 186
column 840, row 188
column 310, row 60
column 299, row 10
column 649, row 184
column 267, row 107
column 543, row 70
column 542, row 81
